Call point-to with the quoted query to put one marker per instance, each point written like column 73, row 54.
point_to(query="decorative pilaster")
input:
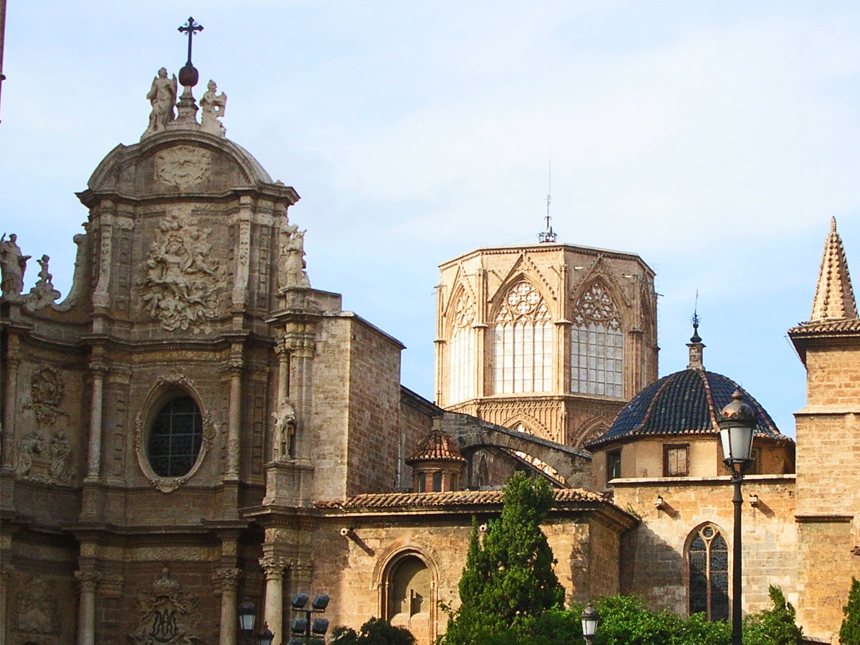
column 235, row 367
column 88, row 582
column 99, row 371
column 283, row 370
column 101, row 294
column 273, row 568
column 5, row 579
column 226, row 583
column 299, row 341
column 10, row 403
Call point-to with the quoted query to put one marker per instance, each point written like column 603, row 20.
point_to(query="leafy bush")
column 849, row 633
column 373, row 632
column 774, row 626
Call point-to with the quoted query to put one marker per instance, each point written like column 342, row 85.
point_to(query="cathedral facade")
column 195, row 429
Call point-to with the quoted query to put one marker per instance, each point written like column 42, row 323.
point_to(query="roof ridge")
column 834, row 296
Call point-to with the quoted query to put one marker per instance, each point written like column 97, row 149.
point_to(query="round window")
column 175, row 438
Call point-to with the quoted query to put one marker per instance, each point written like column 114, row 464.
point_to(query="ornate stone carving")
column 226, row 579
column 167, row 615
column 283, row 431
column 42, row 460
column 162, row 97
column 170, row 484
column 213, row 106
column 273, row 566
column 596, row 305
column 46, row 392
column 61, row 449
column 182, row 166
column 464, row 313
column 291, row 264
column 88, row 581
column 182, row 283
column 44, row 293
column 36, row 608
column 30, row 445
column 523, row 302
column 12, row 266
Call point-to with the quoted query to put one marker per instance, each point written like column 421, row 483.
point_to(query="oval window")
column 175, row 437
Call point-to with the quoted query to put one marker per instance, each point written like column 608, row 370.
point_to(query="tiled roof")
column 823, row 327
column 453, row 498
column 834, row 297
column 683, row 403
column 437, row 445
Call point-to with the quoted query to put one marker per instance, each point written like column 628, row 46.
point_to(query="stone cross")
column 190, row 27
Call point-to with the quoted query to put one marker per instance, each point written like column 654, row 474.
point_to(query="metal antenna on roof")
column 548, row 235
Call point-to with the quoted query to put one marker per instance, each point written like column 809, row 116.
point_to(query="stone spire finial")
column 834, row 297
column 696, row 345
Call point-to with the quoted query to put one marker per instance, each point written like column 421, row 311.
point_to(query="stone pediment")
column 177, row 162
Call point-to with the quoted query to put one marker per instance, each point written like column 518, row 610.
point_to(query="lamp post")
column 737, row 425
column 303, row 629
column 590, row 617
column 247, row 619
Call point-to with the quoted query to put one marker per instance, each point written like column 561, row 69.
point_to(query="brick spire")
column 834, row 297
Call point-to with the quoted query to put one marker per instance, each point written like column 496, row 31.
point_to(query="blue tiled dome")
column 683, row 403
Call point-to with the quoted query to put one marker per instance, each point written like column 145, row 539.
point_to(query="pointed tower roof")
column 834, row 297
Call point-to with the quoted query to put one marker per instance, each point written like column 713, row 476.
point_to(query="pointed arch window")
column 522, row 342
column 596, row 345
column 708, row 560
column 461, row 352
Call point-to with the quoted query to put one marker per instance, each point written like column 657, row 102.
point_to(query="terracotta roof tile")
column 437, row 445
column 454, row 498
column 834, row 297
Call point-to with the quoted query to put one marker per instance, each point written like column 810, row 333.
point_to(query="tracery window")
column 708, row 558
column 522, row 343
column 175, row 437
column 596, row 345
column 461, row 353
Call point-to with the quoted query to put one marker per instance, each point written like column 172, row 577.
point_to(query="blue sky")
column 714, row 139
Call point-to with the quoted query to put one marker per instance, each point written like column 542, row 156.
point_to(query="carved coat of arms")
column 181, row 281
column 167, row 615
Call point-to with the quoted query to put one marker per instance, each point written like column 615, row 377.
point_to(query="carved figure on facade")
column 182, row 282
column 46, row 394
column 162, row 97
column 43, row 293
column 182, row 166
column 284, row 431
column 291, row 264
column 213, row 105
column 61, row 449
column 167, row 615
column 13, row 263
column 30, row 445
column 36, row 608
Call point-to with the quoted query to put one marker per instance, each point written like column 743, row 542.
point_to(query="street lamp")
column 247, row 619
column 737, row 424
column 590, row 617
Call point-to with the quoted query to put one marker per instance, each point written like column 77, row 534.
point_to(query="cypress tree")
column 509, row 580
column 849, row 633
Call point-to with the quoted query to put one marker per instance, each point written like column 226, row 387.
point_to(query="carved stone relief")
column 43, row 454
column 163, row 382
column 291, row 263
column 44, row 293
column 46, row 391
column 182, row 282
column 36, row 610
column 284, row 431
column 182, row 166
column 167, row 615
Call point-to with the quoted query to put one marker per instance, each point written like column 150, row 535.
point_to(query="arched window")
column 409, row 601
column 522, row 343
column 708, row 560
column 175, row 437
column 596, row 345
column 461, row 353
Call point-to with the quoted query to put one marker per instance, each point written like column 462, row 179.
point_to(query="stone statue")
column 12, row 266
column 43, row 293
column 213, row 108
column 31, row 444
column 292, row 265
column 162, row 96
column 60, row 451
column 284, row 431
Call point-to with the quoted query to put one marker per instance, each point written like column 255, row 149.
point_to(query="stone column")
column 99, row 370
column 234, row 428
column 299, row 341
column 283, row 371
column 273, row 568
column 87, row 583
column 5, row 578
column 10, row 403
column 226, row 581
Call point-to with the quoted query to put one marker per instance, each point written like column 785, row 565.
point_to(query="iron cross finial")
column 190, row 28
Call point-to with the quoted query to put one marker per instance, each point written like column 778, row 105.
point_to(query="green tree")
column 509, row 581
column 849, row 633
column 373, row 632
column 774, row 626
